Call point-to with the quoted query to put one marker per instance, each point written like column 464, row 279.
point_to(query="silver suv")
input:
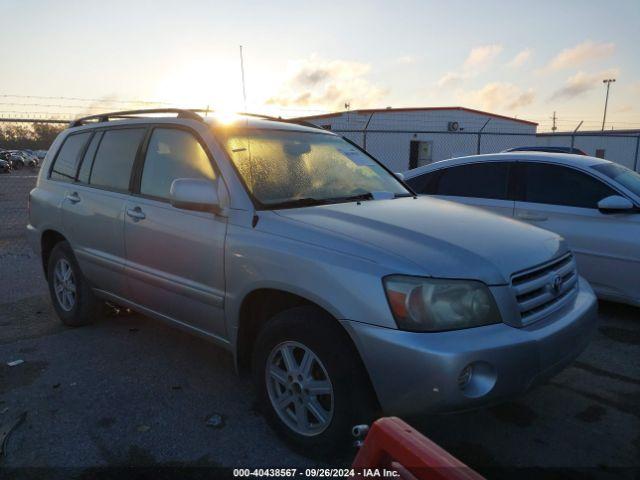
column 318, row 269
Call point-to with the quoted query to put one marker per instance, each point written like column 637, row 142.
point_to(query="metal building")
column 404, row 138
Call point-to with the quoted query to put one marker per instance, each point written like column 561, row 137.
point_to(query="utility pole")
column 608, row 81
column 244, row 91
column 554, row 118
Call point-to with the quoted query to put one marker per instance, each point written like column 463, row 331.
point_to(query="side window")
column 87, row 161
column 66, row 163
column 558, row 185
column 426, row 183
column 172, row 154
column 478, row 180
column 114, row 158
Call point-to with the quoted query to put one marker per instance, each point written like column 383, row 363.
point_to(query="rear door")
column 93, row 209
column 484, row 185
column 175, row 257
column 565, row 200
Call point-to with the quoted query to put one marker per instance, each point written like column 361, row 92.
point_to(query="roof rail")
column 294, row 121
column 104, row 117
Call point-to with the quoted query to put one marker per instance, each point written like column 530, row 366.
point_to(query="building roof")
column 630, row 131
column 414, row 109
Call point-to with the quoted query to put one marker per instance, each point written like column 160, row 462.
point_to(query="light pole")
column 608, row 81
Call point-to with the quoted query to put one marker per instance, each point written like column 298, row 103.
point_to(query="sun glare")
column 198, row 85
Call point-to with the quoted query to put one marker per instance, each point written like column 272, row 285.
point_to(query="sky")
column 526, row 59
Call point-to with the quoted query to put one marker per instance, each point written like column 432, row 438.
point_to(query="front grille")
column 544, row 288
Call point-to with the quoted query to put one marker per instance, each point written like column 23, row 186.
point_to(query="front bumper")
column 416, row 373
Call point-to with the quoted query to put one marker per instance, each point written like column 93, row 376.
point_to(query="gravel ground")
column 131, row 392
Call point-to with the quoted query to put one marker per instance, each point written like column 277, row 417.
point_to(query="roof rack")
column 104, row 117
column 191, row 114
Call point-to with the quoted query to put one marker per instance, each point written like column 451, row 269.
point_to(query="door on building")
column 420, row 153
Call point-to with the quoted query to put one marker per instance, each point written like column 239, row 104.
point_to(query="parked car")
column 573, row 150
column 5, row 167
column 593, row 203
column 16, row 161
column 30, row 160
column 320, row 272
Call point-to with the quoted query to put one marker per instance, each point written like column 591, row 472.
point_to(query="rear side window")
column 426, row 183
column 478, row 180
column 115, row 157
column 558, row 185
column 172, row 154
column 65, row 165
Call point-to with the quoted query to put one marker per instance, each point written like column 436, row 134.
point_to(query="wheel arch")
column 49, row 239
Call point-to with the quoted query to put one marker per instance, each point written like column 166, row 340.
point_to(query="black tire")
column 353, row 399
column 86, row 307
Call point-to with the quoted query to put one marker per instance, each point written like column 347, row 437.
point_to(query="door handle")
column 531, row 217
column 136, row 213
column 73, row 197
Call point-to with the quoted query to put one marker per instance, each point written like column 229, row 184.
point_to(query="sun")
column 201, row 85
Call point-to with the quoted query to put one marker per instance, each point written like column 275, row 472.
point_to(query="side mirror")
column 614, row 204
column 195, row 194
column 399, row 175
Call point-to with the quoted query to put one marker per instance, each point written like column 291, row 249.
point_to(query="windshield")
column 625, row 177
column 292, row 168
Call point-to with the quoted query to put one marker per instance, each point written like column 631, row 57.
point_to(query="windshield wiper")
column 310, row 202
column 296, row 202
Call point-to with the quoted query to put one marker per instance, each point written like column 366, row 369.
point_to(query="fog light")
column 465, row 376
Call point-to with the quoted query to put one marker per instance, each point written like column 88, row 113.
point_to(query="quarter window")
column 87, row 161
column 115, row 157
column 558, row 185
column 478, row 180
column 66, row 163
column 172, row 154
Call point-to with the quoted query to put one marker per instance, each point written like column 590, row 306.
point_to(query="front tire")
column 71, row 294
column 310, row 381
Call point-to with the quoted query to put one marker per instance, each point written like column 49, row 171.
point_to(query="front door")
column 175, row 258
column 564, row 200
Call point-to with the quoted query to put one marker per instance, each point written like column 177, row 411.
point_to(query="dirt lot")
column 128, row 391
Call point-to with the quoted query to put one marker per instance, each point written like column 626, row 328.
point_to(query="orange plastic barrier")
column 393, row 445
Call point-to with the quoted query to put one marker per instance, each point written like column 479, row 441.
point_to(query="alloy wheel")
column 299, row 388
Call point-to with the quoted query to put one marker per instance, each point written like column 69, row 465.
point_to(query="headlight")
column 435, row 305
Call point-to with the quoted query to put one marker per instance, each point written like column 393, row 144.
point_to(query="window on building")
column 558, row 185
column 115, row 157
column 172, row 154
column 66, row 162
column 478, row 180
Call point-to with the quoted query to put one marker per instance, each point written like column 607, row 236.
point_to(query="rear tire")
column 313, row 408
column 70, row 291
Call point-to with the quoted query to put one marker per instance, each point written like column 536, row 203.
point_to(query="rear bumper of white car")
column 416, row 373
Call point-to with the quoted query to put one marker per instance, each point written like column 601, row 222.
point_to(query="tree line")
column 33, row 136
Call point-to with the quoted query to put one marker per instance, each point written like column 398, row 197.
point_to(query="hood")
column 445, row 239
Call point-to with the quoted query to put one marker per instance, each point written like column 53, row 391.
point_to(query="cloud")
column 499, row 96
column 328, row 84
column 581, row 83
column 582, row 53
column 450, row 79
column 480, row 57
column 521, row 58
